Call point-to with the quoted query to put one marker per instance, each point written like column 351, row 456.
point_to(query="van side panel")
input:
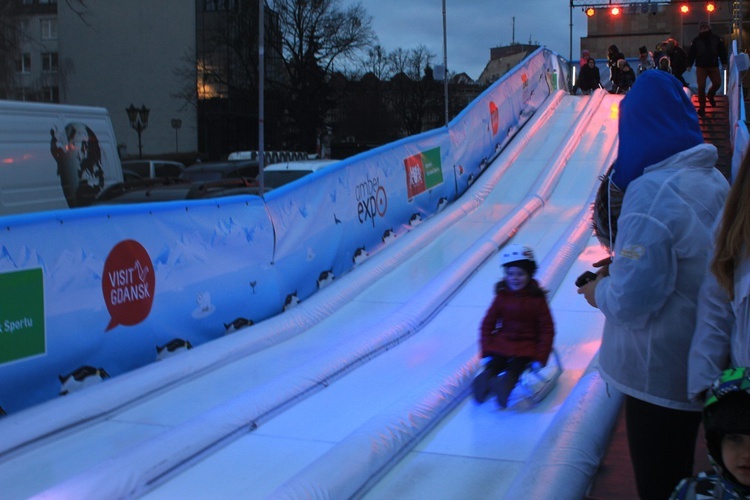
column 54, row 156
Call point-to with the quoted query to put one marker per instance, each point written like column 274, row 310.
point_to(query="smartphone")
column 586, row 277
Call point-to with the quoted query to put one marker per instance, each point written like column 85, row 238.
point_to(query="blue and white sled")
column 534, row 386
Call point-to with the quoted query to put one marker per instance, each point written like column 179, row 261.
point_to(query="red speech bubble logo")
column 128, row 284
column 494, row 118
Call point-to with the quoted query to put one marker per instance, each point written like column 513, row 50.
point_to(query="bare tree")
column 376, row 63
column 414, row 92
column 315, row 35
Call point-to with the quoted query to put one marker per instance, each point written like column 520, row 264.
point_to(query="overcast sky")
column 474, row 26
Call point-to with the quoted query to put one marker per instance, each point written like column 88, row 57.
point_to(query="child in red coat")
column 517, row 330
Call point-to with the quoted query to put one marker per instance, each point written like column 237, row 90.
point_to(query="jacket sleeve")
column 545, row 332
column 488, row 325
column 691, row 55
column 642, row 275
column 709, row 351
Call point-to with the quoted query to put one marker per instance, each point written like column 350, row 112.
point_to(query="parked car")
column 217, row 170
column 130, row 176
column 154, row 168
column 279, row 174
column 170, row 189
column 270, row 156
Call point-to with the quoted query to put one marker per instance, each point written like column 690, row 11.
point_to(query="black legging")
column 662, row 446
column 512, row 366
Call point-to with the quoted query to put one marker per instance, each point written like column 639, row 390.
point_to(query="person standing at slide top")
column 654, row 211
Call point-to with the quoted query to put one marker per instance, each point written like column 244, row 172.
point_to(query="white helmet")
column 518, row 253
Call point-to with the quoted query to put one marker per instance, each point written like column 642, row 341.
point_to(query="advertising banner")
column 100, row 289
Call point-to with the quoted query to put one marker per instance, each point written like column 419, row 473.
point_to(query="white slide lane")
column 290, row 419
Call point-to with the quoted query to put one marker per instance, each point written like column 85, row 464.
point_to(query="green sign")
column 423, row 171
column 22, row 332
column 433, row 169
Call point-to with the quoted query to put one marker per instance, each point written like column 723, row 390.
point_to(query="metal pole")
column 445, row 65
column 570, row 54
column 570, row 49
column 261, row 78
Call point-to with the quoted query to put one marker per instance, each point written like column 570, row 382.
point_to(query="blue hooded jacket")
column 657, row 120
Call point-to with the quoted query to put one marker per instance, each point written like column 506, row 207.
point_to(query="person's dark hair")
column 731, row 242
column 527, row 265
column 606, row 210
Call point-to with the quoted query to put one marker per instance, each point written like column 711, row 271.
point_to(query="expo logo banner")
column 22, row 325
column 128, row 284
column 423, row 171
column 372, row 200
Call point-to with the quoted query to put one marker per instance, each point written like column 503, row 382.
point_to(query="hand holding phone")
column 586, row 277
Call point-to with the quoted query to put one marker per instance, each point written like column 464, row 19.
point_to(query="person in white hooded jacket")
column 722, row 333
column 671, row 195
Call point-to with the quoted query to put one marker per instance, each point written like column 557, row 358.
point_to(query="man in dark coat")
column 589, row 79
column 614, row 55
column 677, row 60
column 706, row 51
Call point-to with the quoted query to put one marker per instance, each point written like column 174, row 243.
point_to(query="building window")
column 23, row 28
column 49, row 29
column 23, row 63
column 49, row 62
column 219, row 5
column 50, row 94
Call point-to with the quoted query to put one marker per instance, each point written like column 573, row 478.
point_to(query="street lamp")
column 176, row 124
column 139, row 121
column 445, row 65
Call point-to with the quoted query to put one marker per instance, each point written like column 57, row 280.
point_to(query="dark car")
column 170, row 189
column 279, row 174
column 217, row 170
column 154, row 168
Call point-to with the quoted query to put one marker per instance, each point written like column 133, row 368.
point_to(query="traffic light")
column 684, row 9
column 710, row 7
column 590, row 11
column 615, row 11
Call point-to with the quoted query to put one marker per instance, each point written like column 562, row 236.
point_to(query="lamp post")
column 139, row 121
column 445, row 65
column 176, row 124
column 261, row 93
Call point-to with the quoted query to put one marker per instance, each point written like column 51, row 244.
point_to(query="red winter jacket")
column 518, row 324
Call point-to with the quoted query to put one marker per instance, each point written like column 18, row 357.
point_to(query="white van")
column 278, row 174
column 54, row 156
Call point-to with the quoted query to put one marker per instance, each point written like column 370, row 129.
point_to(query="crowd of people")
column 675, row 291
column 706, row 51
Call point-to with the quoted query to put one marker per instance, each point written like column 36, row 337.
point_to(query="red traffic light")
column 710, row 7
column 615, row 11
column 590, row 11
column 684, row 9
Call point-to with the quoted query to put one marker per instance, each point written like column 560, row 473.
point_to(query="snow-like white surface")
column 474, row 451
